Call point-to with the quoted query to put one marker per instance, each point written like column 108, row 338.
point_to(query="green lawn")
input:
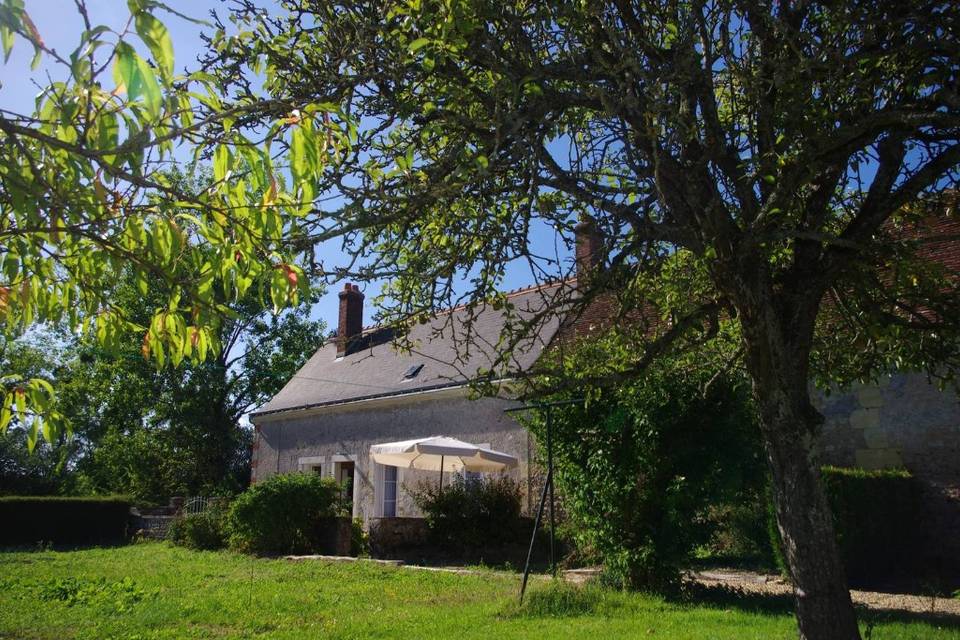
column 156, row 591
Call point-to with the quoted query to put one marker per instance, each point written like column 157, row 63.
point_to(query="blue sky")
column 60, row 26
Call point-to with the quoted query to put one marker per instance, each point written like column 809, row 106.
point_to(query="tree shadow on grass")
column 727, row 597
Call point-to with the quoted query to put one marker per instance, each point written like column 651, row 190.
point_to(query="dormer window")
column 412, row 372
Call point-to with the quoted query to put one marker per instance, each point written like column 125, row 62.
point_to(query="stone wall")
column 315, row 442
column 390, row 537
column 903, row 422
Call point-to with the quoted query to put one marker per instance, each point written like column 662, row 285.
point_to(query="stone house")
column 357, row 390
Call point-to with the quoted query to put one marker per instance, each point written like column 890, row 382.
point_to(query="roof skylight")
column 412, row 372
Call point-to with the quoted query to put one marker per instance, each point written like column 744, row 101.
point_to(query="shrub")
column 741, row 530
column 640, row 467
column 202, row 531
column 472, row 514
column 284, row 514
column 875, row 515
column 64, row 521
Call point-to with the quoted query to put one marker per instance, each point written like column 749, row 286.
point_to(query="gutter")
column 377, row 396
column 279, row 413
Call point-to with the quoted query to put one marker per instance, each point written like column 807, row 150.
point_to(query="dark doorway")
column 344, row 472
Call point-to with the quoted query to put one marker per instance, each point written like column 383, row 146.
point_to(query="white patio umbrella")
column 439, row 453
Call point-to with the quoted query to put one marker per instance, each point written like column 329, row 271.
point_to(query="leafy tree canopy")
column 85, row 194
column 746, row 159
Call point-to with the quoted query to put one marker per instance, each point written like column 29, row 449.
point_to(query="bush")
column 64, row 521
column 875, row 515
column 741, row 531
column 472, row 514
column 641, row 466
column 284, row 514
column 204, row 531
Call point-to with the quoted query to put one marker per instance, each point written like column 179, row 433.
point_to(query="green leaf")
column 221, row 162
column 21, row 399
column 32, row 436
column 157, row 38
column 125, row 71
column 6, row 38
column 298, row 155
column 418, row 44
column 153, row 99
column 5, row 412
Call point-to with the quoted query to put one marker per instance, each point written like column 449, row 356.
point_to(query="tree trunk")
column 777, row 362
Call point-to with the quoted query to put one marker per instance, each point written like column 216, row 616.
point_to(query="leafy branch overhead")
column 775, row 171
column 803, row 140
column 86, row 195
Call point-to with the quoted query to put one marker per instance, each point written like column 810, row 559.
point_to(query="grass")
column 154, row 591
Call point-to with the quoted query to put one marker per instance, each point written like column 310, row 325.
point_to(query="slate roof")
column 374, row 368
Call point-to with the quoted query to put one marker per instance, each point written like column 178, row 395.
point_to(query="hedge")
column 30, row 520
column 875, row 515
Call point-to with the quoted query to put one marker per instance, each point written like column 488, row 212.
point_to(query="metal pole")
column 533, row 536
column 553, row 523
column 548, row 486
column 441, row 474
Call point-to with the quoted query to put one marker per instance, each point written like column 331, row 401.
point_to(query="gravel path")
column 761, row 584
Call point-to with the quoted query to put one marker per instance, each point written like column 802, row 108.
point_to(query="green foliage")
column 741, row 531
column 472, row 514
column 43, row 471
column 643, row 463
column 146, row 432
column 118, row 596
column 203, row 531
column 449, row 202
column 87, row 199
column 178, row 431
column 877, row 521
column 284, row 514
column 64, row 521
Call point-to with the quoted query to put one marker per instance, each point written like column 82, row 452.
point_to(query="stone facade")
column 318, row 440
column 903, row 422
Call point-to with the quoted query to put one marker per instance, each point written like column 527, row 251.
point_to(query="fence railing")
column 195, row 504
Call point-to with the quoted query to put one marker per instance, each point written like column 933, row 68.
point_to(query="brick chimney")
column 589, row 250
column 351, row 317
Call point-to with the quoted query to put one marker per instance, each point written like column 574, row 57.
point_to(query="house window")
column 389, row 492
